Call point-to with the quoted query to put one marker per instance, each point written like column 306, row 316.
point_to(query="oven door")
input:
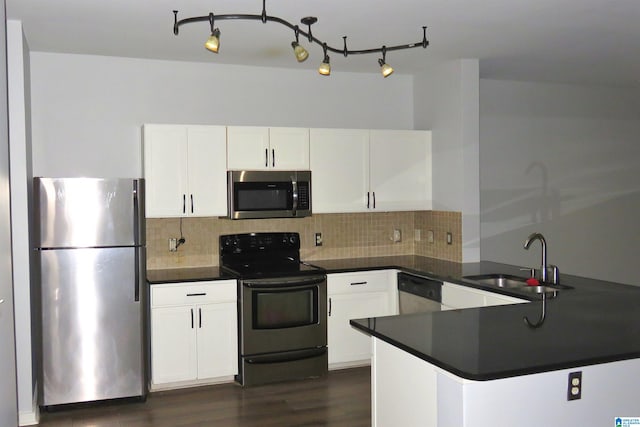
column 283, row 314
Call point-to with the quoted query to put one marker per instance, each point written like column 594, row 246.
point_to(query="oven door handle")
column 284, row 283
column 288, row 356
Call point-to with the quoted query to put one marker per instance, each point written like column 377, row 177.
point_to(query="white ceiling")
column 571, row 41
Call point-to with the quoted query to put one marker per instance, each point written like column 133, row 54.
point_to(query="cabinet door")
column 289, row 148
column 400, row 174
column 340, row 170
column 247, row 147
column 173, row 344
column 492, row 298
column 207, row 171
column 165, row 170
column 345, row 343
column 456, row 296
column 217, row 340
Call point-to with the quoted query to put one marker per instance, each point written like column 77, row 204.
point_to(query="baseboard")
column 32, row 417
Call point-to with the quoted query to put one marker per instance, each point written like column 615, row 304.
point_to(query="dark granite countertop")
column 595, row 322
column 174, row 275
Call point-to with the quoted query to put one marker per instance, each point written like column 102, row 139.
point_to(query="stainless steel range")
column 282, row 308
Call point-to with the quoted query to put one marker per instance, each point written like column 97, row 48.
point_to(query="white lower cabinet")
column 458, row 296
column 355, row 296
column 193, row 333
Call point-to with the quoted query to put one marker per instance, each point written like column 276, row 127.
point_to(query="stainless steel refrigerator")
column 92, row 284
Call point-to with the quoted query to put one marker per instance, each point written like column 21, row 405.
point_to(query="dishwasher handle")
column 421, row 286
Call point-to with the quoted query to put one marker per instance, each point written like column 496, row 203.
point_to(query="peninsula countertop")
column 595, row 322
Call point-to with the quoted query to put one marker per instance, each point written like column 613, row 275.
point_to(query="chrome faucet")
column 543, row 242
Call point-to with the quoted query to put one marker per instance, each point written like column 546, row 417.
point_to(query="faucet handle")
column 555, row 274
column 531, row 270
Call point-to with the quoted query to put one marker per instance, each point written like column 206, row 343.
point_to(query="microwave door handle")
column 294, row 184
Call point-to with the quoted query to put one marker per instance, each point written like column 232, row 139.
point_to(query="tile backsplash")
column 351, row 235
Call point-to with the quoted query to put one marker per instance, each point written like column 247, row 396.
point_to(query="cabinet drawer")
column 368, row 281
column 193, row 293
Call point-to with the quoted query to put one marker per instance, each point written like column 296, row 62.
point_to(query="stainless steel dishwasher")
column 418, row 294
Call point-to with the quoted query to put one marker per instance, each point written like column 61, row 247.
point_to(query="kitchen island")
column 486, row 366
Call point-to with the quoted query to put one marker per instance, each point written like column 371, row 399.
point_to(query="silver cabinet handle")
column 199, row 294
column 191, row 195
column 199, row 318
column 358, row 283
column 374, row 200
column 273, row 157
column 184, row 203
column 329, row 307
column 266, row 157
column 367, row 200
column 192, row 318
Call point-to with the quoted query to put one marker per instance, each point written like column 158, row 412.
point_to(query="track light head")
column 299, row 51
column 213, row 42
column 325, row 67
column 385, row 68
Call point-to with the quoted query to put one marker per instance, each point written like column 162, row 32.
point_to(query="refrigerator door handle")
column 136, row 286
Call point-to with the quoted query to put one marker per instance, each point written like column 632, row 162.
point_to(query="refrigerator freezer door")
column 90, row 212
column 92, row 325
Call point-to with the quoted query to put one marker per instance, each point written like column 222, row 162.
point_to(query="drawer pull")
column 201, row 294
column 358, row 283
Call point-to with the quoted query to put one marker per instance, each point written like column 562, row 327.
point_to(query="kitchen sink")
column 499, row 280
column 514, row 283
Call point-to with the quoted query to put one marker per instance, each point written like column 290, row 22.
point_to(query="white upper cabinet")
column 255, row 148
column 339, row 170
column 185, row 170
column 400, row 169
column 370, row 170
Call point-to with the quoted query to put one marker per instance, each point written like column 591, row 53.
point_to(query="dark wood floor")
column 343, row 398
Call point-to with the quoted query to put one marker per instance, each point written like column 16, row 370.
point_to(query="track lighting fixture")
column 301, row 54
column 385, row 68
column 325, row 67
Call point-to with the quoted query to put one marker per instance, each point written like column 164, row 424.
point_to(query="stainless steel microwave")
column 269, row 194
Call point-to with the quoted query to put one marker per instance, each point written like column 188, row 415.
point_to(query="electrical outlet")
column 430, row 237
column 449, row 238
column 173, row 244
column 417, row 235
column 397, row 236
column 574, row 387
column 318, row 239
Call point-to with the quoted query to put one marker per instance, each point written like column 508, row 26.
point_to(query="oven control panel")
column 254, row 242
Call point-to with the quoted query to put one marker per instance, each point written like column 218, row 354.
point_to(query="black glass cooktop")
column 253, row 255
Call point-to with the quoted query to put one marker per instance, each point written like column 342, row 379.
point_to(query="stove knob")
column 292, row 239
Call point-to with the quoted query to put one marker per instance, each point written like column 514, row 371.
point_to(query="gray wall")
column 87, row 110
column 446, row 101
column 563, row 160
column 8, row 395
column 24, row 258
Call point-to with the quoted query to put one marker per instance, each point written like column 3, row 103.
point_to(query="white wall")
column 21, row 178
column 446, row 101
column 8, row 400
column 87, row 110
column 563, row 160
